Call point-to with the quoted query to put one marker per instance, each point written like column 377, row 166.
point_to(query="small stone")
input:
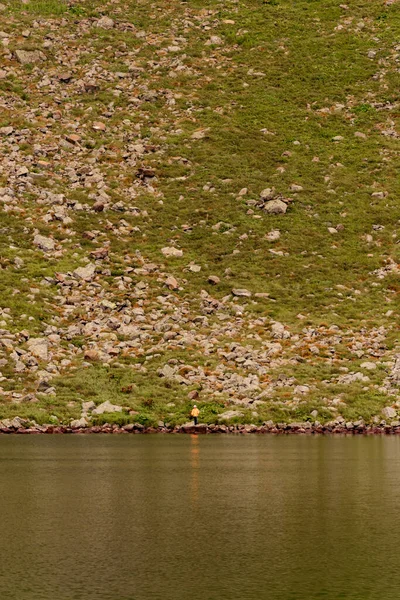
column 359, row 134
column 230, row 414
column 215, row 40
column 27, row 57
column 74, row 138
column 338, row 138
column 65, row 77
column 370, row 366
column 86, row 273
column 105, row 23
column 213, row 279
column 275, row 207
column 296, row 188
column 44, row 243
column 88, row 406
column 106, row 407
column 194, row 268
column 267, row 194
column 172, row 283
column 79, row 423
column 279, row 331
column 6, row 130
column 389, row 413
column 199, row 135
column 172, row 252
column 91, row 355
column 99, row 126
column 241, row 292
column 273, row 235
column 38, row 347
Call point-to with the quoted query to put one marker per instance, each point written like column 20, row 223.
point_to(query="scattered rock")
column 86, row 273
column 273, row 235
column 241, row 292
column 105, row 23
column 172, row 283
column 172, row 252
column 213, row 279
column 27, row 57
column 106, row 407
column 79, row 423
column 231, row 414
column 275, row 207
column 389, row 413
column 39, row 348
column 370, row 366
column 44, row 243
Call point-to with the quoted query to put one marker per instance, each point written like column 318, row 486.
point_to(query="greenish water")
column 201, row 518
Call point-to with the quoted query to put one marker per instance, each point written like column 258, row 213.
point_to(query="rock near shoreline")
column 20, row 427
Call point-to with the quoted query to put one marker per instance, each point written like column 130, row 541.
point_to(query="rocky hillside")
column 199, row 201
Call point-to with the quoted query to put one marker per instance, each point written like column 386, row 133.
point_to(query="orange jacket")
column 195, row 412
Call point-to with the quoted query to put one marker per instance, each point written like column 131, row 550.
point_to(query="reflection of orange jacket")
column 195, row 412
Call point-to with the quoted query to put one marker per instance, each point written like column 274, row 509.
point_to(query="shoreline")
column 202, row 429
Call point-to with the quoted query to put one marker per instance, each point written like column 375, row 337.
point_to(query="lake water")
column 199, row 518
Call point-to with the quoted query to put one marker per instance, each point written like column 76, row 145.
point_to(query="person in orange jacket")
column 195, row 413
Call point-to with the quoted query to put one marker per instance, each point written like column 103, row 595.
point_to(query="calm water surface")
column 199, row 518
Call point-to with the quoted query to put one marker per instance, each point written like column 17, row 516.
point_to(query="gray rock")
column 6, row 130
column 86, row 273
column 279, row 331
column 106, row 407
column 231, row 414
column 241, row 292
column 273, row 235
column 370, row 366
column 79, row 423
column 27, row 57
column 275, row 207
column 44, row 243
column 88, row 406
column 105, row 23
column 167, row 372
column 267, row 194
column 39, row 348
column 389, row 413
column 352, row 378
column 172, row 252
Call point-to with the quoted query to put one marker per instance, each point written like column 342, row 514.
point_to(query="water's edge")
column 350, row 428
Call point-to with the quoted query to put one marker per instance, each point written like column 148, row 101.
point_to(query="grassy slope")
column 303, row 71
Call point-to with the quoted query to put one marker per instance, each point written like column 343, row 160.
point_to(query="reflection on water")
column 200, row 517
column 194, row 482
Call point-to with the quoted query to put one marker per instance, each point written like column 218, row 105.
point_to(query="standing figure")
column 195, row 413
